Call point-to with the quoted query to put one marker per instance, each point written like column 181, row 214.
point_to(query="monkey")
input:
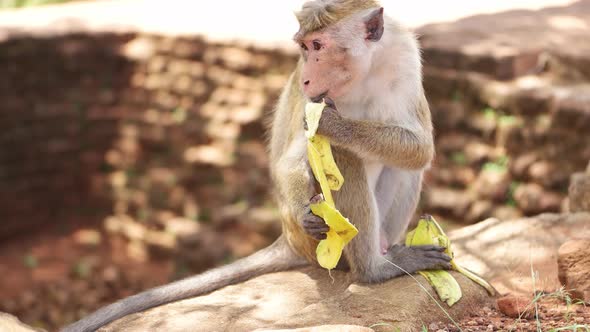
column 367, row 68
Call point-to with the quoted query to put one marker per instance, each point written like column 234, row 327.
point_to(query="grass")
column 574, row 328
column 500, row 165
column 5, row 4
column 500, row 117
column 510, row 200
column 429, row 295
column 396, row 329
column 459, row 158
column 561, row 294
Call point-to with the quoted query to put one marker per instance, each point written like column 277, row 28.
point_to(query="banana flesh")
column 429, row 232
column 328, row 175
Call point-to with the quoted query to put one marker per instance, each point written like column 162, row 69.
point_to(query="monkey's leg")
column 363, row 253
column 398, row 193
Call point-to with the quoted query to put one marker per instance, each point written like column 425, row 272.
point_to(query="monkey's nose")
column 306, row 82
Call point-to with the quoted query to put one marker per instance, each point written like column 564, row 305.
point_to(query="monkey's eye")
column 316, row 45
column 303, row 46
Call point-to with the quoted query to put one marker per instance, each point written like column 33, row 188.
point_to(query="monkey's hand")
column 418, row 258
column 313, row 225
column 331, row 120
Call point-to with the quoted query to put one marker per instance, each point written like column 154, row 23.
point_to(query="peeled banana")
column 429, row 232
column 328, row 175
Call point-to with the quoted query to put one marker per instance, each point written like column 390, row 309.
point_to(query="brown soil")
column 553, row 314
column 56, row 276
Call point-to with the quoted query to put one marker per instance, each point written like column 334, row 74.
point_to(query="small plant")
column 395, row 329
column 510, row 200
column 179, row 115
column 500, row 165
column 573, row 328
column 490, row 113
column 507, row 120
column 457, row 96
column 30, row 261
column 82, row 269
column 459, row 158
column 561, row 294
column 27, row 3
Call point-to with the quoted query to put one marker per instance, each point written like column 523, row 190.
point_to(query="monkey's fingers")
column 330, row 103
column 432, row 248
column 316, row 199
column 315, row 227
column 315, row 223
column 318, row 236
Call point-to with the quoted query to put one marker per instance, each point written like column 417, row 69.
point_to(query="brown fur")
column 382, row 144
column 317, row 15
column 382, row 136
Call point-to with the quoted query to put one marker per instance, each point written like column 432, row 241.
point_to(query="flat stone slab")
column 510, row 44
column 303, row 298
column 504, row 252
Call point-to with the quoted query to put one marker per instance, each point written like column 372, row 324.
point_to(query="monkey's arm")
column 394, row 144
column 293, row 178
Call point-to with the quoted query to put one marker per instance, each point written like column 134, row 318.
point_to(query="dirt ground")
column 551, row 313
column 59, row 275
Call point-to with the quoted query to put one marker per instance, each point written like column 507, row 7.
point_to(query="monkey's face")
column 338, row 58
column 329, row 68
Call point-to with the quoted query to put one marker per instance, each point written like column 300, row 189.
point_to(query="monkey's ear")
column 374, row 25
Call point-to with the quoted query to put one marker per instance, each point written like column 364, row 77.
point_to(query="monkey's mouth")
column 319, row 98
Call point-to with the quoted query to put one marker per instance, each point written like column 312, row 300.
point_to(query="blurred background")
column 132, row 133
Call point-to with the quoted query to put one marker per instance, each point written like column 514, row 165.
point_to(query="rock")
column 493, row 185
column 579, row 192
column 573, row 263
column 506, row 212
column 448, row 115
column 549, row 174
column 515, row 306
column 479, row 210
column 328, row 328
column 534, row 199
column 503, row 251
column 477, row 152
column 304, row 298
column 10, row 323
column 448, row 200
column 520, row 165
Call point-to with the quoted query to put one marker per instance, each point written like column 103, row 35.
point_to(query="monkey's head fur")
column 319, row 14
column 337, row 39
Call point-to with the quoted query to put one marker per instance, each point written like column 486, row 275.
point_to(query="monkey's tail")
column 276, row 257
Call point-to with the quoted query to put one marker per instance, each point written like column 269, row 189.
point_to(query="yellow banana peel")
column 429, row 232
column 328, row 175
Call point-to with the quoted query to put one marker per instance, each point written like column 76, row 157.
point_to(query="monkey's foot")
column 414, row 259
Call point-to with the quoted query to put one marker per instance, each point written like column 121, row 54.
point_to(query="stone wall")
column 51, row 144
column 153, row 129
column 511, row 108
column 142, row 126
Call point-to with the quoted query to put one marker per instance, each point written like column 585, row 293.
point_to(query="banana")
column 319, row 146
column 429, row 232
column 341, row 232
column 328, row 175
column 426, row 233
